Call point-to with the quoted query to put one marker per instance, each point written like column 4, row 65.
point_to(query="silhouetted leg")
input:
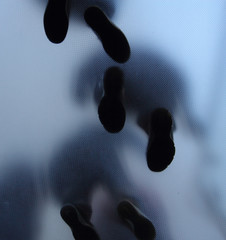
column 18, row 203
column 72, row 181
column 113, row 40
column 127, row 196
column 56, row 20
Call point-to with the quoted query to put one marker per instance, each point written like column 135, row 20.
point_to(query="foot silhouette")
column 113, row 40
column 161, row 149
column 141, row 226
column 81, row 227
column 56, row 20
column 111, row 110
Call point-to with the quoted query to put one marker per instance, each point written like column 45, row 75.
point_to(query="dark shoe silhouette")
column 81, row 227
column 113, row 40
column 111, row 110
column 111, row 114
column 141, row 226
column 161, row 149
column 56, row 20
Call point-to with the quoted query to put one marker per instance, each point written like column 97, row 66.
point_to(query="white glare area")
column 38, row 111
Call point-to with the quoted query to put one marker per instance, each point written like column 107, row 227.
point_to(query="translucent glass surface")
column 48, row 116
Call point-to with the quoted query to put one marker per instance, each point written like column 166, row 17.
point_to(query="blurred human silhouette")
column 161, row 149
column 112, row 38
column 111, row 110
column 150, row 82
column 19, row 215
column 92, row 158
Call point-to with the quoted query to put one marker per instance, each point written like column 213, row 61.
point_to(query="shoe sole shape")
column 111, row 111
column 112, row 114
column 160, row 154
column 81, row 229
column 160, row 149
column 56, row 20
column 137, row 222
column 113, row 40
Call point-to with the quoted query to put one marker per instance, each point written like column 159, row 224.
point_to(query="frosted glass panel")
column 54, row 150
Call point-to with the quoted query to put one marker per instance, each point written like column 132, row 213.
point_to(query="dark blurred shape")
column 92, row 158
column 77, row 220
column 107, row 6
column 150, row 81
column 56, row 20
column 137, row 222
column 161, row 149
column 111, row 110
column 18, row 203
column 85, row 160
column 112, row 38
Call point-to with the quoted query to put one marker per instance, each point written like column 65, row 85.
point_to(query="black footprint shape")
column 161, row 149
column 81, row 228
column 140, row 225
column 56, row 20
column 111, row 110
column 113, row 40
